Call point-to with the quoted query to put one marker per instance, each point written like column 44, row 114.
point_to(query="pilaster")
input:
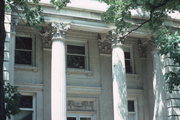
column 106, row 97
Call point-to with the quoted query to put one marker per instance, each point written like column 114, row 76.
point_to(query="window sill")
column 132, row 75
column 26, row 68
column 79, row 71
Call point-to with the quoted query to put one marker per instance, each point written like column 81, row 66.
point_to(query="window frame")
column 79, row 116
column 33, row 109
column 33, row 57
column 135, row 108
column 83, row 116
column 130, row 47
column 79, row 43
column 71, row 116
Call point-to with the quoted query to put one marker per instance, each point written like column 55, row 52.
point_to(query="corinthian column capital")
column 58, row 30
column 117, row 38
column 104, row 44
column 55, row 31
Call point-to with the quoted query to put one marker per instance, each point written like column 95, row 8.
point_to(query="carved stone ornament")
column 46, row 34
column 142, row 49
column 55, row 31
column 116, row 37
column 104, row 44
column 144, row 45
column 73, row 105
column 58, row 30
column 14, row 23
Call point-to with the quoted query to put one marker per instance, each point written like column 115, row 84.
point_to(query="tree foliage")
column 154, row 13
column 28, row 12
column 119, row 13
column 12, row 98
column 168, row 42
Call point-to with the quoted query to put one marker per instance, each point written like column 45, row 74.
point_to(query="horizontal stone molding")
column 84, row 90
column 29, row 87
column 135, row 92
column 71, row 71
column 26, row 68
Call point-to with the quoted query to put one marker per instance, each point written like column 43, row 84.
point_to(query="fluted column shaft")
column 119, row 83
column 58, row 74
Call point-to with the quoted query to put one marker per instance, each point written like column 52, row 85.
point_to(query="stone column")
column 160, row 108
column 119, row 81
column 58, row 72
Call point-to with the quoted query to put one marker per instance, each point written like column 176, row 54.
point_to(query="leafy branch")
column 166, row 39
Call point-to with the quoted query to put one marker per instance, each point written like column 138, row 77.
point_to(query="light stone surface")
column 119, row 83
column 94, row 83
column 159, row 87
column 58, row 73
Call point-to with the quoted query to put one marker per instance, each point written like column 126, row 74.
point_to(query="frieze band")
column 73, row 105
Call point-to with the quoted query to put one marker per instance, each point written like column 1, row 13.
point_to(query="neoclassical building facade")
column 73, row 69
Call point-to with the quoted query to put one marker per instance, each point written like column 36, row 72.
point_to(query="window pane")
column 127, row 62
column 24, row 115
column 128, row 66
column 127, row 55
column 26, row 102
column 85, row 118
column 74, row 61
column 75, row 49
column 131, row 106
column 24, row 43
column 23, row 57
column 71, row 118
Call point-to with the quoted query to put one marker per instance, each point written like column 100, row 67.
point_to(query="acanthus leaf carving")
column 59, row 29
column 144, row 45
column 53, row 31
column 46, row 36
column 104, row 43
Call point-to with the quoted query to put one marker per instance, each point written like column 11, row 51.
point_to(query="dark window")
column 76, row 56
column 131, row 107
column 23, row 51
column 26, row 108
column 76, row 49
column 71, row 118
column 26, row 102
column 84, row 118
column 128, row 62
